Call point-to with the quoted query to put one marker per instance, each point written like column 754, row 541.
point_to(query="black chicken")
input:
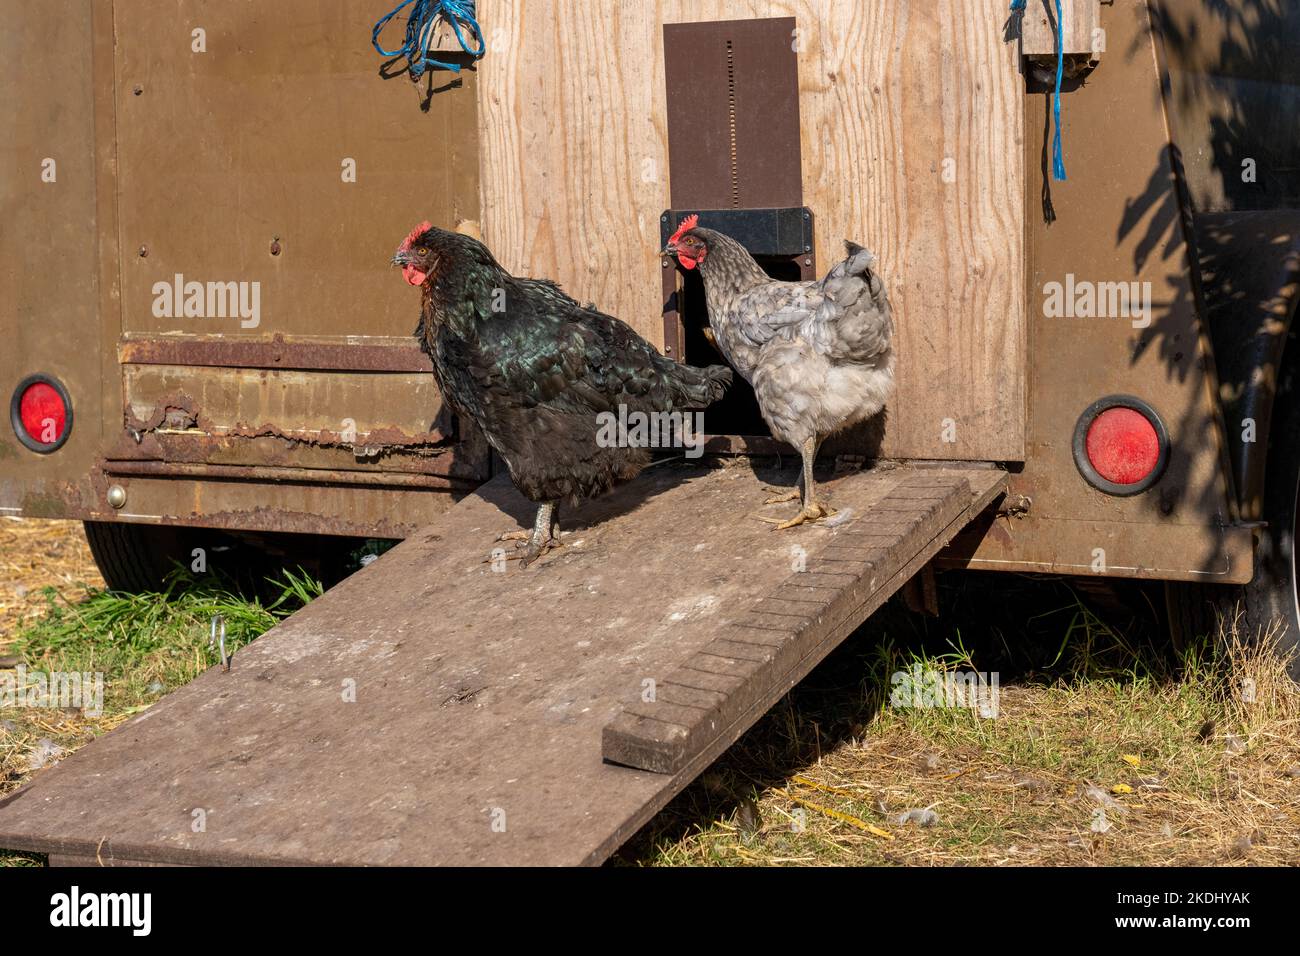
column 534, row 370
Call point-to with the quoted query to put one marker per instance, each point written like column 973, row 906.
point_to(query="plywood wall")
column 911, row 144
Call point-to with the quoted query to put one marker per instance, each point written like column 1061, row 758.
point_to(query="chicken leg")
column 544, row 536
column 812, row 510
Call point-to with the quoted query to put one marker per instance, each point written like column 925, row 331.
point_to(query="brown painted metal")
column 50, row 241
column 209, row 200
column 733, row 114
column 1117, row 219
column 732, row 89
column 1251, row 264
column 481, row 691
column 332, row 306
column 294, row 506
column 1233, row 93
column 275, row 352
column 266, row 474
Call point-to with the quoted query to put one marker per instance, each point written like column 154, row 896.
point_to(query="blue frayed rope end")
column 1058, row 158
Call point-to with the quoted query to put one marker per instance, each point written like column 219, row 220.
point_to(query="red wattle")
column 413, row 275
column 687, row 263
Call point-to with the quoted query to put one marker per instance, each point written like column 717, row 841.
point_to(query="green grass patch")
column 144, row 645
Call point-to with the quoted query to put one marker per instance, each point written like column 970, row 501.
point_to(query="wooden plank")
column 635, row 739
column 1080, row 18
column 480, row 696
column 912, row 128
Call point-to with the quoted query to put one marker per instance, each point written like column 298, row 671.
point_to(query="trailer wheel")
column 138, row 557
column 1272, row 596
column 134, row 557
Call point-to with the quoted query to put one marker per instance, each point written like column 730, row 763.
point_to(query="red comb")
column 416, row 233
column 686, row 225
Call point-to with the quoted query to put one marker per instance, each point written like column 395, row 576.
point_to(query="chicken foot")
column 812, row 510
column 777, row 498
column 544, row 536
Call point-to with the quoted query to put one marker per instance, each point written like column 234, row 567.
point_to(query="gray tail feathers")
column 860, row 263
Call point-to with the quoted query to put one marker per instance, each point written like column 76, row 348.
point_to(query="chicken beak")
column 400, row 258
column 669, row 250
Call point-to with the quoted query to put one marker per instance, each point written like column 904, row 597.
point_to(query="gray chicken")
column 818, row 354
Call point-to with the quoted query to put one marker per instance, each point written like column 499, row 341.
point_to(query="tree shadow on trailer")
column 1230, row 156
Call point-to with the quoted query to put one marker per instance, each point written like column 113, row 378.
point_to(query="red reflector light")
column 41, row 413
column 1121, row 446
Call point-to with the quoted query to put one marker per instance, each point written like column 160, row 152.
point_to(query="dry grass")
column 36, row 554
column 1137, row 772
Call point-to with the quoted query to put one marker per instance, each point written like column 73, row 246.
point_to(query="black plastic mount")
column 764, row 232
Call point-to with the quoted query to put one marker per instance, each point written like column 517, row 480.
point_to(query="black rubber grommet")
column 16, row 418
column 1090, row 473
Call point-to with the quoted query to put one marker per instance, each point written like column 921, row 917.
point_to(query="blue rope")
column 420, row 23
column 1058, row 158
column 1058, row 161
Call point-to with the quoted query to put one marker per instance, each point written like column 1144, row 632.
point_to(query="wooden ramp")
column 432, row 709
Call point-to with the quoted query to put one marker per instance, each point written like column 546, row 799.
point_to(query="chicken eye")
column 421, row 251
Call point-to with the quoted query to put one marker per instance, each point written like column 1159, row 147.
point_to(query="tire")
column 134, row 557
column 1271, row 598
column 1272, row 595
column 138, row 557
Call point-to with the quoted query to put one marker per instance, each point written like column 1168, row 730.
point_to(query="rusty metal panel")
column 371, row 353
column 225, row 410
column 298, row 501
column 231, row 402
column 267, row 110
column 262, row 330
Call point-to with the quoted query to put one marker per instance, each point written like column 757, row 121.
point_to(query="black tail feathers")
column 718, row 378
column 698, row 388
